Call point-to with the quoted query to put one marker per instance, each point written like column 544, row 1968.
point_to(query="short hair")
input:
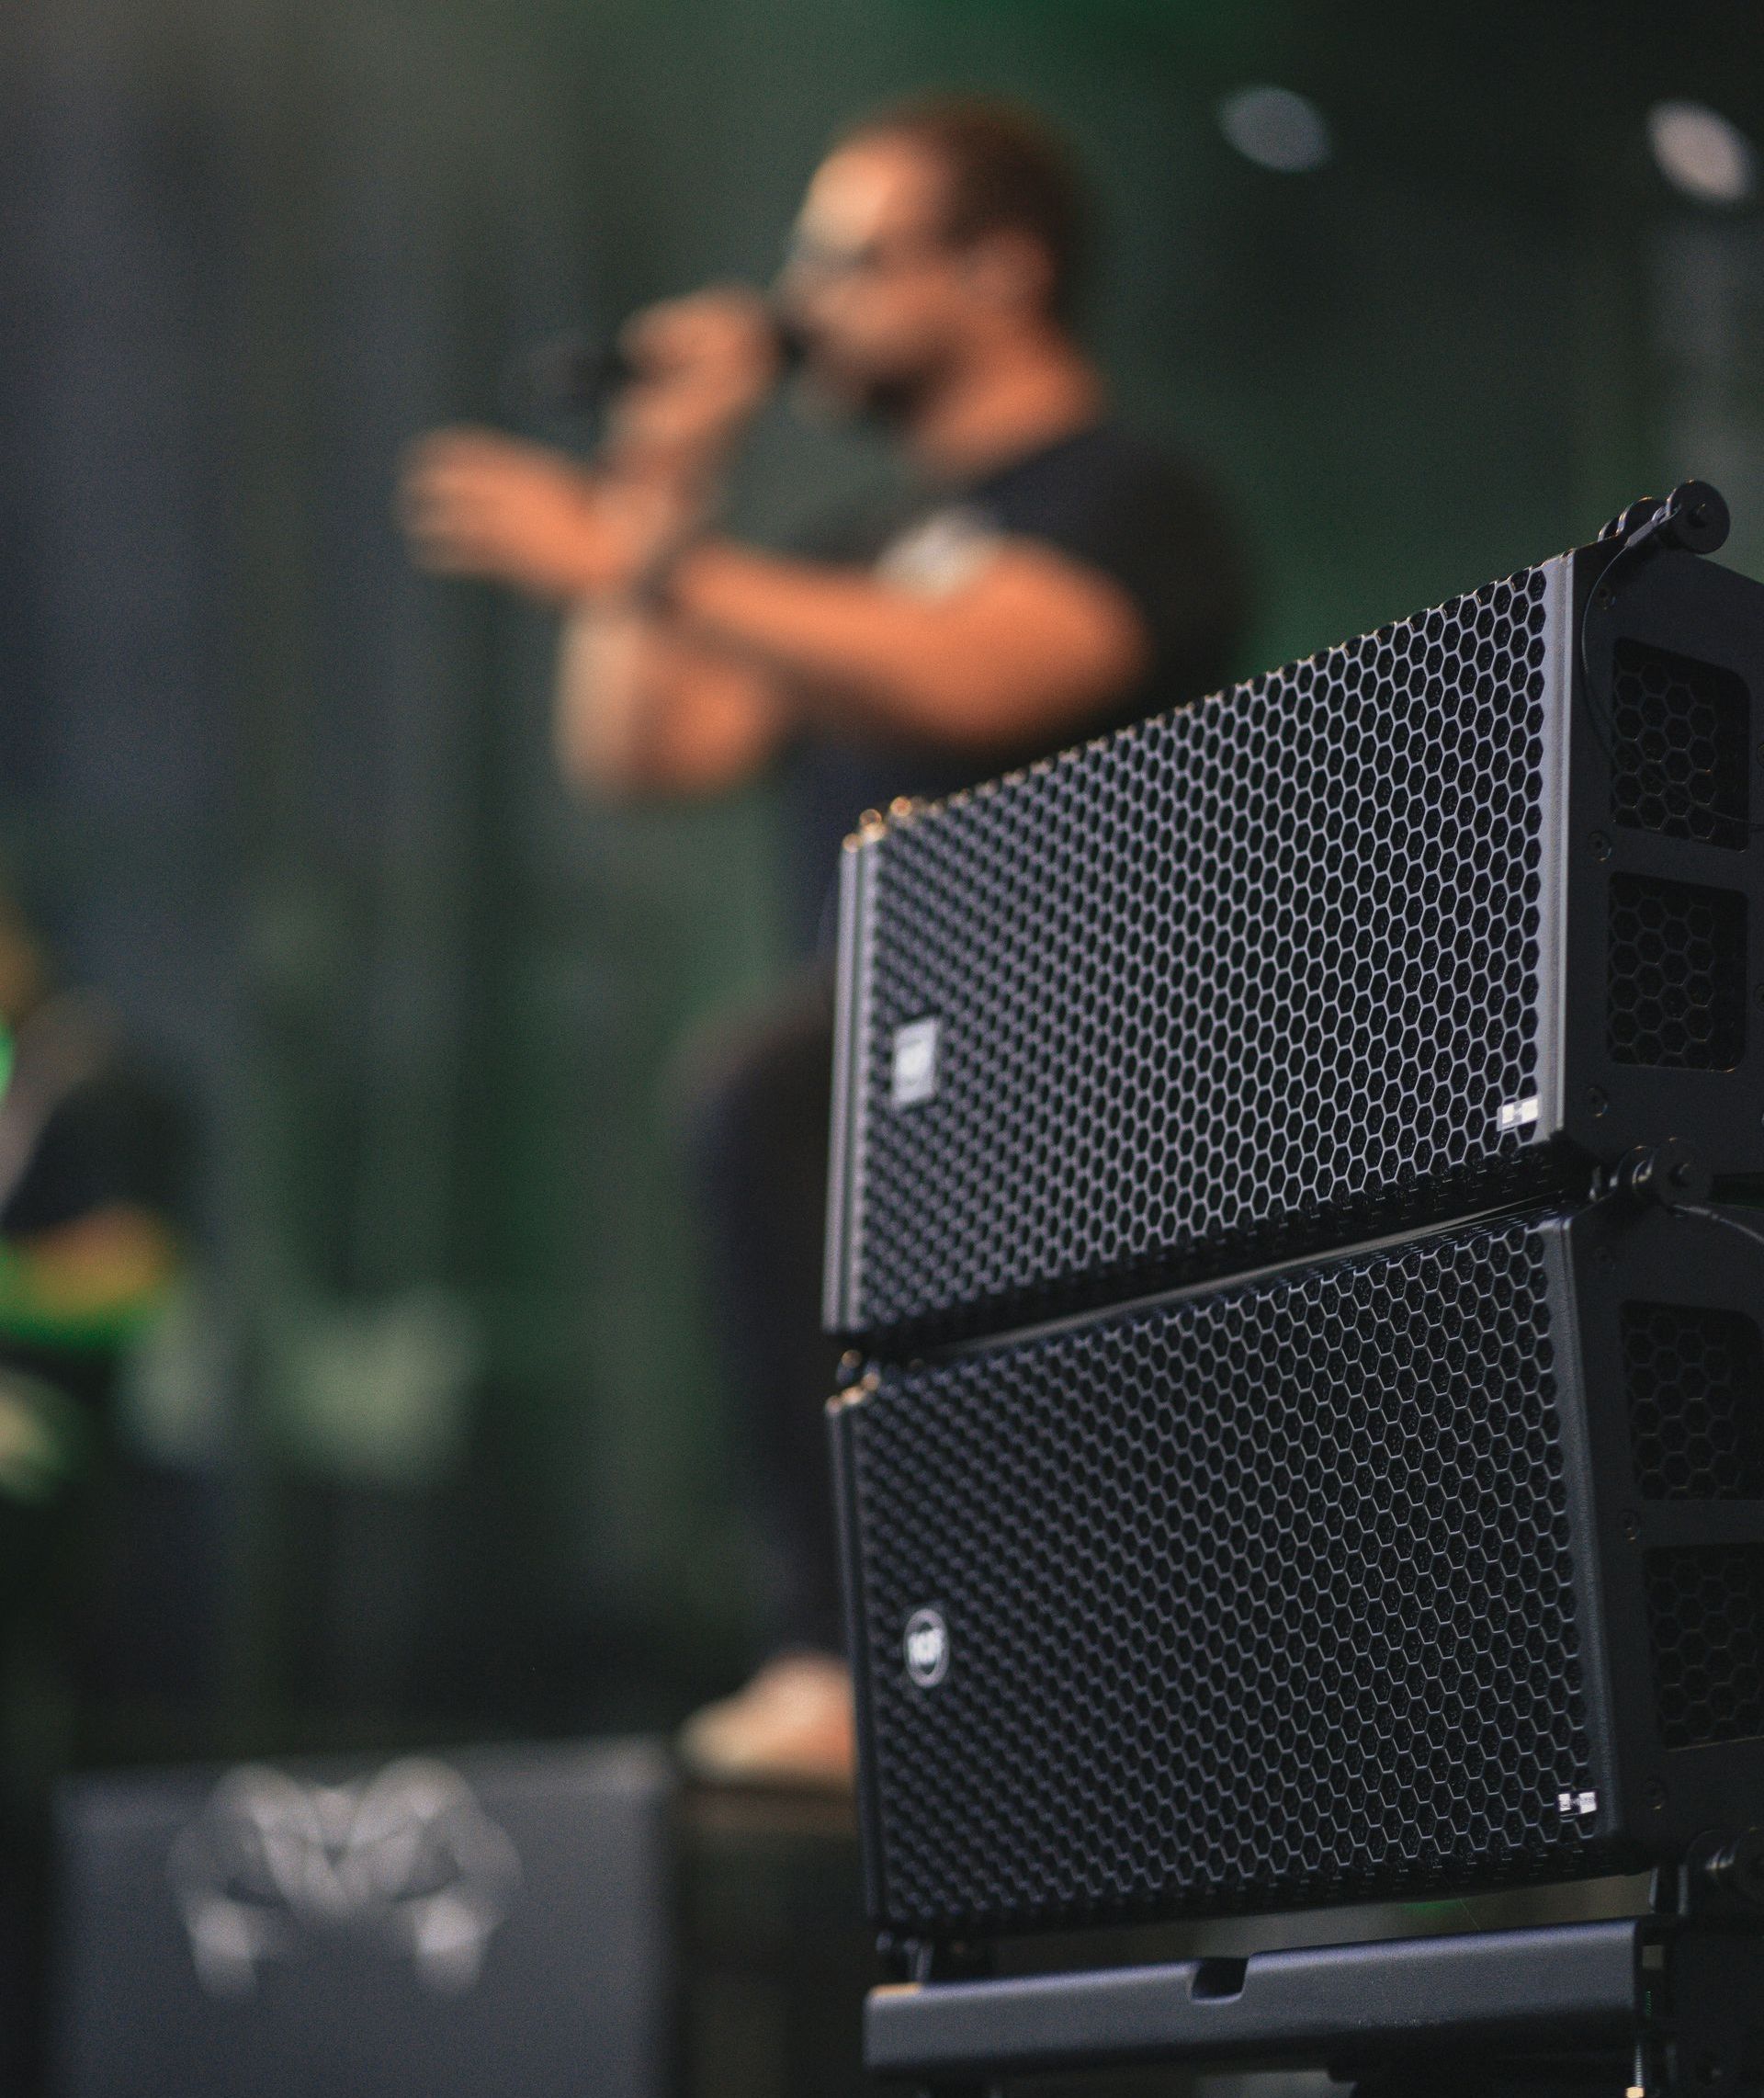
column 1007, row 168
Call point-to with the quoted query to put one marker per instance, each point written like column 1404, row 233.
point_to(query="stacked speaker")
column 1291, row 1164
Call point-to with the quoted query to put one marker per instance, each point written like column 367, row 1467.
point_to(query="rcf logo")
column 407, row 1860
column 927, row 1647
column 913, row 1074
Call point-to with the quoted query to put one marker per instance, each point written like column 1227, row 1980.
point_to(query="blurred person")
column 91, row 1161
column 1045, row 576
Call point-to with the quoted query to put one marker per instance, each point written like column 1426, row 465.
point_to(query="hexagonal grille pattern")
column 1263, row 1596
column 1676, row 974
column 1705, row 1609
column 1679, row 731
column 1264, row 962
column 1696, row 1402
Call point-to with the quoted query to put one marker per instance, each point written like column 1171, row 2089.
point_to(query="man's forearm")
column 867, row 649
column 1022, row 650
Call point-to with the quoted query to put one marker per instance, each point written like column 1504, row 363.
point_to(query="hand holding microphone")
column 684, row 378
column 677, row 383
column 700, row 368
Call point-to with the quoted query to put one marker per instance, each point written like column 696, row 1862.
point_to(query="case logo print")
column 406, row 1860
column 915, row 1063
column 926, row 1647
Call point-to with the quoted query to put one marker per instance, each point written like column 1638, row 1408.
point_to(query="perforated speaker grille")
column 1676, row 980
column 1705, row 1607
column 1266, row 960
column 1696, row 1402
column 1262, row 1596
column 1679, row 737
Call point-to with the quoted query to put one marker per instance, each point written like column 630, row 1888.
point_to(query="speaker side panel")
column 843, row 1429
column 1265, row 1596
column 1672, row 1323
column 1666, row 864
column 844, row 1144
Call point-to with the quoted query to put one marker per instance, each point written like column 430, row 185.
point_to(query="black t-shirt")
column 116, row 1138
column 1103, row 497
column 82, row 1130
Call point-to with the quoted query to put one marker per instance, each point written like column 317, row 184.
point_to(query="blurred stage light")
column 1699, row 152
column 1276, row 129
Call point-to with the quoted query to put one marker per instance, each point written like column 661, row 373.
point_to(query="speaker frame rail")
column 1663, row 1998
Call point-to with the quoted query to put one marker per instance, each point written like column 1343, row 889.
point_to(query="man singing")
column 1045, row 576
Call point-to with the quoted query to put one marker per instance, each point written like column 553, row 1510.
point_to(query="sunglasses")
column 807, row 257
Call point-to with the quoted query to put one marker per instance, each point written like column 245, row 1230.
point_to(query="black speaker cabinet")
column 1433, row 920
column 1435, row 1566
column 497, row 1924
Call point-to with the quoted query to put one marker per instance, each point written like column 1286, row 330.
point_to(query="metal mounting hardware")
column 1670, row 1174
column 1693, row 519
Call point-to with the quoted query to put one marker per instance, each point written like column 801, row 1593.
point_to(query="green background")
column 447, row 1371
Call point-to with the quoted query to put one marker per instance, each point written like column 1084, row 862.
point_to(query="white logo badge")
column 926, row 1647
column 915, row 1063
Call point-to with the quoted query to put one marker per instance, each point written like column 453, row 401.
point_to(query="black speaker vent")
column 1675, row 979
column 1696, row 1402
column 1266, row 1595
column 1705, row 1609
column 1680, row 733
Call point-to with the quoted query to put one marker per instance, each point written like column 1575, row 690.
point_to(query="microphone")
column 577, row 373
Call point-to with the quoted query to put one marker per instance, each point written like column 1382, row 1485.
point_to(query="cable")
column 1715, row 1217
column 1669, row 1176
column 1636, row 528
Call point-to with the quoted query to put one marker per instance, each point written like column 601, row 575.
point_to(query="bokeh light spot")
column 1699, row 152
column 1276, row 129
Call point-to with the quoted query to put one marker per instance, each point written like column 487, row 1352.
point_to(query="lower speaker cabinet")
column 1432, row 1567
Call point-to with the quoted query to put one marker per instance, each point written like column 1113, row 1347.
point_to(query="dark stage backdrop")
column 446, row 1373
